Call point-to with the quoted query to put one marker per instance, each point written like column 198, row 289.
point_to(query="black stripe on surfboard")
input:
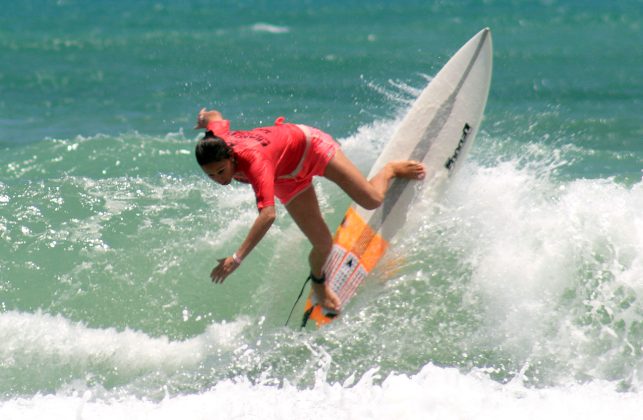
column 379, row 216
column 420, row 151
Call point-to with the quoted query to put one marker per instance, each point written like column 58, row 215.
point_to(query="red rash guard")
column 263, row 154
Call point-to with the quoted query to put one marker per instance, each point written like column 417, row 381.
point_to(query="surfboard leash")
column 296, row 302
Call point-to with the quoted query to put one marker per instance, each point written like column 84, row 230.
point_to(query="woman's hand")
column 224, row 269
column 205, row 116
column 259, row 228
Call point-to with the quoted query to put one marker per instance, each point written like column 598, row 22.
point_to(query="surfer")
column 280, row 161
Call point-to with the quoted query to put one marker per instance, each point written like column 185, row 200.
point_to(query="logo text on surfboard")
column 463, row 139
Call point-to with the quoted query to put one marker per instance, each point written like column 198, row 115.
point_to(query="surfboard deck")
column 438, row 130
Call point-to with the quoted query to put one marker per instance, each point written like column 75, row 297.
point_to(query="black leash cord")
column 297, row 301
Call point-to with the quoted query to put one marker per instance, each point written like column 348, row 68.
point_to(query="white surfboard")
column 438, row 130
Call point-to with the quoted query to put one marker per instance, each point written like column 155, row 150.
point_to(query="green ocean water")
column 529, row 269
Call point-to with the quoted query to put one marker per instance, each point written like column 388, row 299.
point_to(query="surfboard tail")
column 357, row 248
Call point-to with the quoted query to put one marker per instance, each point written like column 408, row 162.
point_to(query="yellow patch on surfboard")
column 357, row 249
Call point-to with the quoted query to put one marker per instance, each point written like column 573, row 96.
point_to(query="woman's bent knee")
column 372, row 201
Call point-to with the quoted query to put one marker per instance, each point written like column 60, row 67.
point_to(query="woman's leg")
column 369, row 193
column 304, row 209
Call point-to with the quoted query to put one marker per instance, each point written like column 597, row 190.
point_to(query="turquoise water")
column 520, row 291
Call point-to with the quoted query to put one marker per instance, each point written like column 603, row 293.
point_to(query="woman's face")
column 220, row 172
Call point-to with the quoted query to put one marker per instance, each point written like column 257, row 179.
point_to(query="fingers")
column 217, row 277
column 218, row 274
column 223, row 270
column 204, row 117
column 200, row 119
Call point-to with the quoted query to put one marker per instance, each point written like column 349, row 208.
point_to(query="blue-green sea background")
column 529, row 270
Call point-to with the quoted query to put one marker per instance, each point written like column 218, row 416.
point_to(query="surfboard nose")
column 485, row 33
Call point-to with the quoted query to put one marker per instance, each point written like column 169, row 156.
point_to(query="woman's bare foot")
column 326, row 297
column 408, row 169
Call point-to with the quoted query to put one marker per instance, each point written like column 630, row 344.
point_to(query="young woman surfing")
column 280, row 161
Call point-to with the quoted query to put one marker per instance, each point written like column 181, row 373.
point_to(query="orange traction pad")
column 357, row 249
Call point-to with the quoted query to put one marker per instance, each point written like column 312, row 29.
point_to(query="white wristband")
column 236, row 259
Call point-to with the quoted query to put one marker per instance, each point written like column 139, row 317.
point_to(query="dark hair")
column 211, row 149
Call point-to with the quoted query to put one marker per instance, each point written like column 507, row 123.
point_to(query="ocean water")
column 518, row 295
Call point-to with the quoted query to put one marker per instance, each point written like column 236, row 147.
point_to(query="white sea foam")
column 273, row 29
column 525, row 236
column 365, row 145
column 42, row 339
column 434, row 392
column 555, row 267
